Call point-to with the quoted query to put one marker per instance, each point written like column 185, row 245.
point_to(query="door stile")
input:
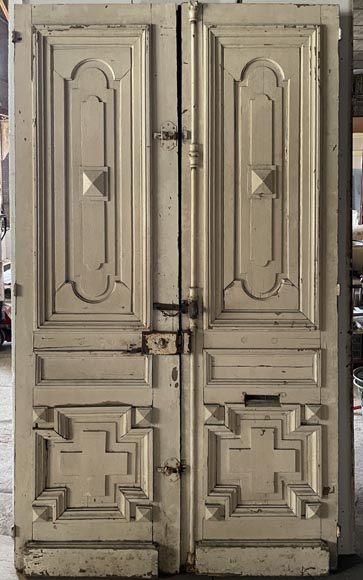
column 24, row 316
column 330, row 157
column 165, row 217
column 193, row 290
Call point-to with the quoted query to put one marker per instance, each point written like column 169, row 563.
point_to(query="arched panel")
column 95, row 192
column 263, row 136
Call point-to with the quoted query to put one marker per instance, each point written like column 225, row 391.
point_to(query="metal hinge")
column 340, row 33
column 339, row 530
column 15, row 289
column 14, row 531
column 16, row 36
column 166, row 342
column 169, row 135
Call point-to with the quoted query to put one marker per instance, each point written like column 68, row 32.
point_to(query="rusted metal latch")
column 169, row 135
column 166, row 342
column 172, row 468
column 190, row 307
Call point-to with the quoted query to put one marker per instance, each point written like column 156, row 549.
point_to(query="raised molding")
column 93, row 167
column 273, row 454
column 50, row 504
column 254, row 170
column 121, row 433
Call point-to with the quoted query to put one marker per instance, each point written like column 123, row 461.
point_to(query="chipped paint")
column 132, row 560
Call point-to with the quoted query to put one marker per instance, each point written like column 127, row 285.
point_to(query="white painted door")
column 104, row 412
column 96, row 246
column 260, row 179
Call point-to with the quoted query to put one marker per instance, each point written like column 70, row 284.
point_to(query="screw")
column 162, row 342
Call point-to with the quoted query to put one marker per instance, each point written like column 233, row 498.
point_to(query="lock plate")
column 165, row 343
column 168, row 135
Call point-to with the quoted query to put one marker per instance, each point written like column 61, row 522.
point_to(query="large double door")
column 176, row 289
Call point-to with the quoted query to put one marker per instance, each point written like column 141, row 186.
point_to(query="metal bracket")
column 16, row 36
column 165, row 343
column 169, row 135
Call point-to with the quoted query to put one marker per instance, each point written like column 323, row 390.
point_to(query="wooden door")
column 260, row 179
column 104, row 410
column 96, row 247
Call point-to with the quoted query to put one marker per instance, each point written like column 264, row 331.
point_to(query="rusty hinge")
column 16, row 36
column 166, row 342
column 169, row 135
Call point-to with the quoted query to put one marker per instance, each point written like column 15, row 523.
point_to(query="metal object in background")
column 3, row 226
column 357, row 295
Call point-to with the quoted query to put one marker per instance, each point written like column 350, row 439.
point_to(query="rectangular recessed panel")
column 92, row 368
column 262, row 367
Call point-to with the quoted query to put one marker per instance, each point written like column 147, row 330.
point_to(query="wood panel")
column 262, row 217
column 93, row 464
column 93, row 216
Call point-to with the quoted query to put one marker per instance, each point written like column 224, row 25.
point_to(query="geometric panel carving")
column 213, row 414
column 263, row 194
column 93, row 173
column 313, row 413
column 262, row 180
column 263, row 461
column 93, row 462
column 95, row 181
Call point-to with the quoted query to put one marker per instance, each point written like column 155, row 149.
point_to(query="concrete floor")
column 6, row 442
column 350, row 568
column 358, row 447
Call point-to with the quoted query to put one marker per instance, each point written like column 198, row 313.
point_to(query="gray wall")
column 3, row 66
column 358, row 34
